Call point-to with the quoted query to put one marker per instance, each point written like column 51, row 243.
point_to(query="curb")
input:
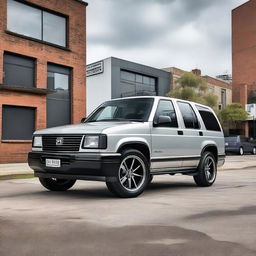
column 16, row 176
column 237, row 168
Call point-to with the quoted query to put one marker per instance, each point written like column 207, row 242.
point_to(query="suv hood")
column 83, row 128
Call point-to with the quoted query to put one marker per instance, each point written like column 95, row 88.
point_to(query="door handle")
column 201, row 134
column 180, row 132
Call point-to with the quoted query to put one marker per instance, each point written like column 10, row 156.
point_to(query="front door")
column 166, row 151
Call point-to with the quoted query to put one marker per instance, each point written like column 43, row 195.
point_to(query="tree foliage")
column 193, row 88
column 233, row 113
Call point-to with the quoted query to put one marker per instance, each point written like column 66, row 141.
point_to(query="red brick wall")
column 74, row 58
column 244, row 50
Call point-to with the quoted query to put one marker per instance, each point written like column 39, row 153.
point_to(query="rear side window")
column 189, row 116
column 209, row 119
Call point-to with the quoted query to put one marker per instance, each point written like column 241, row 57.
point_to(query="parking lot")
column 173, row 217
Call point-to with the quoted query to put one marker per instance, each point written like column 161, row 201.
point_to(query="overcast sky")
column 162, row 33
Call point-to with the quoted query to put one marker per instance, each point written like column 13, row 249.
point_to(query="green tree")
column 194, row 88
column 232, row 114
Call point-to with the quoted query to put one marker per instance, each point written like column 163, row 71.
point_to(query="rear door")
column 192, row 137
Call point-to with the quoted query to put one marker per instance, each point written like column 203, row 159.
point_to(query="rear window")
column 209, row 119
column 231, row 139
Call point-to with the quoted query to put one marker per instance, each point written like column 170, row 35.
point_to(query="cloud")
column 161, row 33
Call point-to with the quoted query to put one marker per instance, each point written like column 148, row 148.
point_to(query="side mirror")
column 163, row 121
column 83, row 119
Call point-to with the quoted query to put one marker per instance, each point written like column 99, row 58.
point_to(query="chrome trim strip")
column 174, row 157
column 110, row 154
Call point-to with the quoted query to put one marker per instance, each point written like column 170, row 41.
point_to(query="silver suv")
column 125, row 142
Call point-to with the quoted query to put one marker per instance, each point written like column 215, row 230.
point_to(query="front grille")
column 69, row 142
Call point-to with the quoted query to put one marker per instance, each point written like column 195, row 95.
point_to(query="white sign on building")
column 95, row 68
column 251, row 109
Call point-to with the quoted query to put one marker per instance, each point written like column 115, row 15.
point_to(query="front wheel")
column 57, row 184
column 132, row 177
column 207, row 170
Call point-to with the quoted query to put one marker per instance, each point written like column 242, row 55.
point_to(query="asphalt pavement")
column 172, row 217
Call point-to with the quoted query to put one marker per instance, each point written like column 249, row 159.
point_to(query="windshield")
column 136, row 109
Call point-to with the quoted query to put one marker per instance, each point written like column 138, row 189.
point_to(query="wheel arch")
column 138, row 145
column 211, row 148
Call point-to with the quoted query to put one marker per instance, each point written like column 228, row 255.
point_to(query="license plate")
column 226, row 144
column 52, row 163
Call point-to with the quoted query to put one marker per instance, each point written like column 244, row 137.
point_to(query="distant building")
column 225, row 77
column 42, row 70
column 244, row 58
column 113, row 78
column 220, row 88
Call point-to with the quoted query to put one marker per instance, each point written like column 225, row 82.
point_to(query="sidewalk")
column 12, row 171
column 19, row 170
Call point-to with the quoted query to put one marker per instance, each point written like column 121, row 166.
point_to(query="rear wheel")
column 57, row 184
column 132, row 177
column 241, row 151
column 207, row 170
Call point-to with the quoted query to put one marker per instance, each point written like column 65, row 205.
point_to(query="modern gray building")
column 113, row 78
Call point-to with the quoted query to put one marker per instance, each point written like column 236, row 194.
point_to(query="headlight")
column 95, row 141
column 37, row 142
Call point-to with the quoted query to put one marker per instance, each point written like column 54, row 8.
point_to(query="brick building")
column 222, row 89
column 42, row 70
column 244, row 58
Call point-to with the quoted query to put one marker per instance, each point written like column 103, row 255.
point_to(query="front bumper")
column 80, row 166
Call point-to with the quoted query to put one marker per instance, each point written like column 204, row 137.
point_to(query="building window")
column 223, row 98
column 133, row 84
column 58, row 103
column 211, row 89
column 36, row 23
column 18, row 123
column 58, row 78
column 19, row 70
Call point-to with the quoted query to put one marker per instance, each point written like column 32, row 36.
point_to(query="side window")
column 189, row 116
column 165, row 108
column 209, row 119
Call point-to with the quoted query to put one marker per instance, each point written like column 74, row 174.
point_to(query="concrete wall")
column 99, row 87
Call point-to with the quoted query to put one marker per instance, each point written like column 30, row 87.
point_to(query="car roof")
column 163, row 98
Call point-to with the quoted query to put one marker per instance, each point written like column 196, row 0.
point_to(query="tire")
column 207, row 170
column 132, row 176
column 57, row 184
column 241, row 151
column 254, row 151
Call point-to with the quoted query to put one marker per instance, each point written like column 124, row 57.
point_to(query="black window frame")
column 42, row 9
column 198, row 122
column 3, row 138
column 136, row 83
column 157, row 115
column 24, row 57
